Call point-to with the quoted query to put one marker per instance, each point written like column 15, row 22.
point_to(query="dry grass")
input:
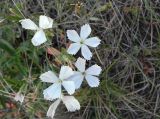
column 129, row 54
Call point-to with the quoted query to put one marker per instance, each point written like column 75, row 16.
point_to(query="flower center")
column 84, row 73
column 81, row 41
column 60, row 81
column 39, row 29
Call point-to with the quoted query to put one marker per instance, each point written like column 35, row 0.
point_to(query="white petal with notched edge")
column 73, row 35
column 45, row 22
column 80, row 64
column 48, row 77
column 28, row 24
column 86, row 53
column 92, row 80
column 52, row 92
column 39, row 38
column 73, row 48
column 94, row 70
column 71, row 103
column 85, row 31
column 77, row 78
column 92, row 42
column 65, row 72
column 69, row 86
column 52, row 108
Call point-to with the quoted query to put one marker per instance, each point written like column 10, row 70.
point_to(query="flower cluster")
column 68, row 79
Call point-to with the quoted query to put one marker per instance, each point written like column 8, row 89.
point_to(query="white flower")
column 44, row 23
column 90, row 74
column 70, row 102
column 19, row 97
column 82, row 41
column 55, row 90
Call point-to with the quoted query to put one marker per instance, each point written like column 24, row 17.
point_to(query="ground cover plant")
column 126, row 49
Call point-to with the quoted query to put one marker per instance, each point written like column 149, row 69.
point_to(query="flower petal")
column 85, row 31
column 80, row 64
column 69, row 86
column 92, row 42
column 39, row 38
column 92, row 80
column 52, row 108
column 19, row 97
column 94, row 70
column 28, row 24
column 52, row 92
column 73, row 35
column 86, row 53
column 65, row 72
column 45, row 22
column 48, row 77
column 71, row 103
column 73, row 48
column 77, row 78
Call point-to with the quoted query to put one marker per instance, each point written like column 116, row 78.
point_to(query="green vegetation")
column 129, row 55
